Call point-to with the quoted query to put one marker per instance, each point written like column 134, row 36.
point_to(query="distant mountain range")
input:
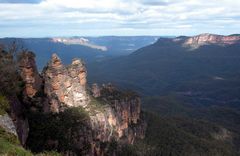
column 173, row 63
column 88, row 48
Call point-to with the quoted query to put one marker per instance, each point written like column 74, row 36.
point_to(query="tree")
column 10, row 81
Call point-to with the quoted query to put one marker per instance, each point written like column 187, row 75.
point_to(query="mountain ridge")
column 165, row 56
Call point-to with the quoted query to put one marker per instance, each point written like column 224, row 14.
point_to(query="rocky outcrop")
column 113, row 114
column 65, row 86
column 127, row 112
column 204, row 39
column 29, row 73
column 96, row 90
column 118, row 118
column 79, row 41
column 7, row 123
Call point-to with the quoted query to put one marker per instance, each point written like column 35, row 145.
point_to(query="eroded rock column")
column 65, row 86
column 29, row 74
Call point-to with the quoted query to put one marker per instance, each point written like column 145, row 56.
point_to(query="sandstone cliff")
column 29, row 73
column 205, row 39
column 65, row 86
column 112, row 115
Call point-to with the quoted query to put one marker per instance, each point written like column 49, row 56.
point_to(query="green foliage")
column 169, row 105
column 10, row 146
column 9, row 78
column 127, row 150
column 48, row 153
column 4, row 105
column 8, row 136
column 61, row 129
column 178, row 137
column 226, row 115
column 114, row 94
column 6, row 148
column 96, row 105
column 112, row 147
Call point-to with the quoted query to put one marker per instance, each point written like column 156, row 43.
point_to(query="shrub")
column 62, row 128
column 10, row 146
column 4, row 105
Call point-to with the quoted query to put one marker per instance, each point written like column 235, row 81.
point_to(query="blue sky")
column 46, row 18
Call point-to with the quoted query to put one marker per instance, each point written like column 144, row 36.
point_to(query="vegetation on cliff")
column 4, row 105
column 180, row 137
column 57, row 131
column 10, row 146
column 10, row 80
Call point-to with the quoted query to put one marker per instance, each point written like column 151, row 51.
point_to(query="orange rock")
column 211, row 39
column 83, row 78
column 30, row 91
column 56, row 61
column 55, row 86
column 62, row 98
column 29, row 73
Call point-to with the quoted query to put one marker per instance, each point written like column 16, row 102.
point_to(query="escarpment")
column 207, row 39
column 212, row 39
column 78, row 120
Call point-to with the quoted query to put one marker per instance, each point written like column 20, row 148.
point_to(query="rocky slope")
column 112, row 115
column 88, row 48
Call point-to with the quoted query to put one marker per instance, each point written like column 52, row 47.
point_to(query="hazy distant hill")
column 88, row 48
column 173, row 64
column 123, row 45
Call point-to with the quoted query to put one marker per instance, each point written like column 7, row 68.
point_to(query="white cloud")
column 113, row 17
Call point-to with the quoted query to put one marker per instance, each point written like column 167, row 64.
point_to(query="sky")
column 49, row 18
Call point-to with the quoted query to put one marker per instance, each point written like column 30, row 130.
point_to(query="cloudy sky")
column 45, row 18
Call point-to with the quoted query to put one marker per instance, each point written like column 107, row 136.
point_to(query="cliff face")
column 204, row 39
column 112, row 114
column 120, row 118
column 7, row 123
column 29, row 74
column 127, row 108
column 13, row 119
column 65, row 86
column 19, row 119
column 79, row 41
